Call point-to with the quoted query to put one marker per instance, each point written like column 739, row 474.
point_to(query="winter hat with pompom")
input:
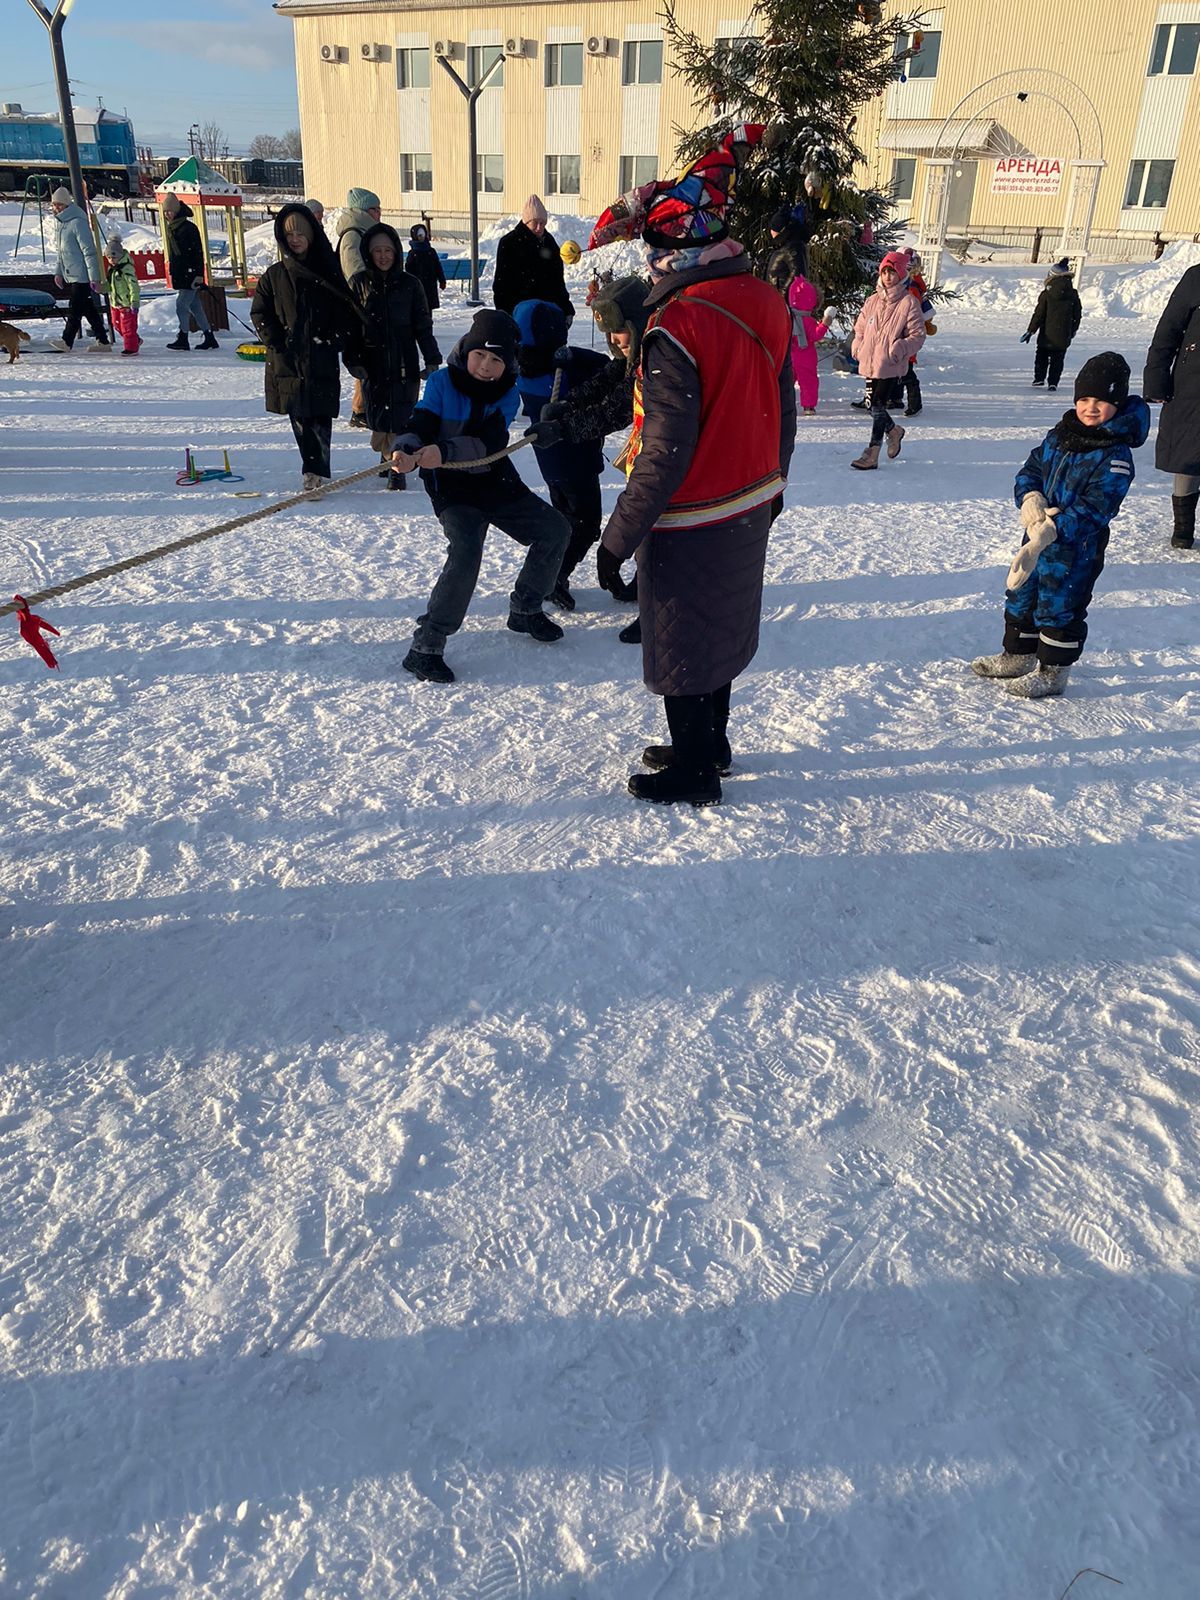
column 1104, row 377
column 1060, row 269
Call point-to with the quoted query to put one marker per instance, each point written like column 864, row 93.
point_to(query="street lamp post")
column 472, row 97
column 54, row 22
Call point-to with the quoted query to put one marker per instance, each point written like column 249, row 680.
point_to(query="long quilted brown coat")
column 699, row 589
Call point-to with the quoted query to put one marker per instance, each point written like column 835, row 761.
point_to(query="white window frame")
column 479, row 59
column 409, row 170
column 629, row 179
column 1168, row 32
column 633, row 65
column 554, row 174
column 554, row 57
column 896, row 182
column 404, row 66
column 1137, row 188
column 482, row 185
column 904, row 43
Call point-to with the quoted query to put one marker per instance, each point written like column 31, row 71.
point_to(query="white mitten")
column 1033, row 508
column 1041, row 536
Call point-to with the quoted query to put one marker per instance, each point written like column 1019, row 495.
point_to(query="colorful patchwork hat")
column 689, row 210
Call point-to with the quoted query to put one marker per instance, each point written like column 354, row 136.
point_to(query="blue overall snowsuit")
column 571, row 469
column 1086, row 473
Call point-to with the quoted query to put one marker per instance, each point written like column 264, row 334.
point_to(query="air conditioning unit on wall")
column 515, row 47
column 597, row 45
column 334, row 53
column 372, row 52
column 445, row 48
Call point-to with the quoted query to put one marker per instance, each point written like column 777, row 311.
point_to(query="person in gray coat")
column 1172, row 380
column 362, row 212
column 77, row 272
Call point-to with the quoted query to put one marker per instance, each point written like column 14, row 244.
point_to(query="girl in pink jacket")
column 806, row 336
column 889, row 331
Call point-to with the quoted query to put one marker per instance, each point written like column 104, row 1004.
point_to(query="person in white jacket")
column 77, row 271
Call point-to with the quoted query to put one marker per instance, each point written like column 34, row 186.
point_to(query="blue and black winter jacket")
column 1086, row 473
column 542, row 326
column 468, row 420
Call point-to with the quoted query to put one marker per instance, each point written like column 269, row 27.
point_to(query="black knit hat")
column 495, row 331
column 1104, row 377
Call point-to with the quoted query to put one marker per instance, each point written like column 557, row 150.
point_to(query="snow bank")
column 1139, row 290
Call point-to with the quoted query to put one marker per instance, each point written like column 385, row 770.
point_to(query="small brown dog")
column 10, row 340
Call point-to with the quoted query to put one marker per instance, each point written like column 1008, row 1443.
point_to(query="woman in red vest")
column 714, row 426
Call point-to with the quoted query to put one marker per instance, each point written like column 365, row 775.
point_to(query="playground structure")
column 205, row 191
column 193, row 474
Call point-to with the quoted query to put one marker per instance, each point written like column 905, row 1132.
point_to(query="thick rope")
column 255, row 516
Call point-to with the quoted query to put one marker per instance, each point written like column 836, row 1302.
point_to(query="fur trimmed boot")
column 1003, row 665
column 1184, row 508
column 1043, row 683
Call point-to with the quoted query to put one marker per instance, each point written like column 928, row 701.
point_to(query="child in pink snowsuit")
column 807, row 335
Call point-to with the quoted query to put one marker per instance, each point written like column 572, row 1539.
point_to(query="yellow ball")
column 569, row 251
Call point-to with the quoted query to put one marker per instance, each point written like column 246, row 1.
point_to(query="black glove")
column 1025, row 338
column 427, row 371
column 554, row 410
column 564, row 356
column 608, row 571
column 545, row 433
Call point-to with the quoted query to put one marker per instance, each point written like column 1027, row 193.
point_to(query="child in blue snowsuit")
column 463, row 417
column 571, row 469
column 1068, row 492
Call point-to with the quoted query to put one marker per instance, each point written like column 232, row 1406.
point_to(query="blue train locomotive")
column 31, row 144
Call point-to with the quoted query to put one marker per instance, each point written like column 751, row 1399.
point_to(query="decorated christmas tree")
column 803, row 67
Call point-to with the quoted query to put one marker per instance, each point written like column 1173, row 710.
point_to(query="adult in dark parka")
column 306, row 317
column 707, row 468
column 528, row 264
column 1172, row 378
column 1055, row 320
column 425, row 264
column 400, row 346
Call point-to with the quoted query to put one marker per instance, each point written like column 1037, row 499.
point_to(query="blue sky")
column 225, row 61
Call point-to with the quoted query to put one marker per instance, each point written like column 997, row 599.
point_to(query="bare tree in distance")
column 213, row 140
column 268, row 147
column 291, row 144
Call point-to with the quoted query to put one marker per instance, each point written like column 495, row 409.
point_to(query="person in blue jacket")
column 571, row 469
column 463, row 417
column 1068, row 492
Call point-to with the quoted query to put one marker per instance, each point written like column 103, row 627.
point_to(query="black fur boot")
column 1184, row 507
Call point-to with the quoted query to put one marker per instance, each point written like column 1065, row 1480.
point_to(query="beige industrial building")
column 1012, row 101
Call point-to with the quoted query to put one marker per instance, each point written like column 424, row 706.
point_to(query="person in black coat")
column 603, row 403
column 1172, row 380
column 528, row 265
column 398, row 326
column 306, row 317
column 425, row 264
column 1055, row 320
column 185, row 262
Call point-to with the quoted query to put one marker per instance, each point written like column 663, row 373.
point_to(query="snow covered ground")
column 426, row 1172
